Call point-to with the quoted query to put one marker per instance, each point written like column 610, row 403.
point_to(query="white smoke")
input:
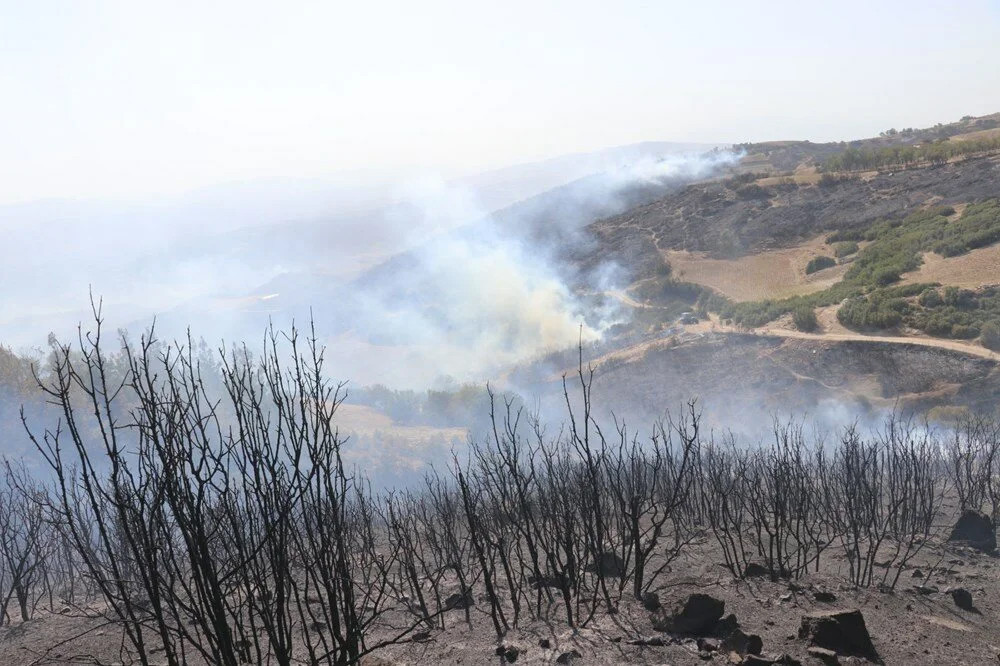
column 475, row 297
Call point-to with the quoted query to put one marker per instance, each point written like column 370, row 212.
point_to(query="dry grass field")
column 976, row 269
column 769, row 274
column 974, row 136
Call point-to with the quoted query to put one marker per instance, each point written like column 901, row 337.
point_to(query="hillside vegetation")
column 894, row 248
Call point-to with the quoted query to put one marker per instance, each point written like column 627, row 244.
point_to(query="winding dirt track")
column 953, row 345
column 716, row 326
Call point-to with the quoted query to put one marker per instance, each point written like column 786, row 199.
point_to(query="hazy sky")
column 132, row 98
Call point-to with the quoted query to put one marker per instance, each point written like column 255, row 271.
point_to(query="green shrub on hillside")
column 964, row 332
column 930, row 298
column 990, row 335
column 819, row 263
column 895, row 247
column 804, row 318
column 861, row 313
column 845, row 249
column 853, row 159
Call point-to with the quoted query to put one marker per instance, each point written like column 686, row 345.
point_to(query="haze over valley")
column 564, row 333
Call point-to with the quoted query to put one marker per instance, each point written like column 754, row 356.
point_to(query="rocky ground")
column 945, row 609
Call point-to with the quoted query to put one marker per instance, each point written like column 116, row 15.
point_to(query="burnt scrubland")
column 195, row 509
column 172, row 504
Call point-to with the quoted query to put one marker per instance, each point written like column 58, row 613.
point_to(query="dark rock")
column 824, row 596
column 708, row 645
column 459, row 600
column 975, row 529
column 742, row 643
column 925, row 589
column 568, row 657
column 500, row 650
column 843, row 631
column 651, row 601
column 704, row 655
column 725, row 626
column 608, row 564
column 962, row 598
column 545, row 644
column 511, row 654
column 917, row 573
column 754, row 570
column 421, row 636
column 697, row 614
column 823, row 654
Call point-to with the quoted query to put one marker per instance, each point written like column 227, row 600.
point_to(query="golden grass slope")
column 770, row 274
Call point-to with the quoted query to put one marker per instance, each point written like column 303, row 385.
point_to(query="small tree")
column 819, row 263
column 991, row 335
column 804, row 318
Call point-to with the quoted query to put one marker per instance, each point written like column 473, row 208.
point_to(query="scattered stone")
column 545, row 644
column 962, row 598
column 654, row 641
column 787, row 660
column 823, row 654
column 726, row 626
column 65, row 610
column 421, row 636
column 756, row 660
column 760, row 660
column 975, row 529
column 708, row 645
column 754, row 570
column 926, row 589
column 500, row 650
column 917, row 573
column 705, row 655
column 608, row 564
column 742, row 643
column 651, row 601
column 459, row 600
column 511, row 654
column 568, row 657
column 824, row 596
column 697, row 614
column 785, row 597
column 842, row 631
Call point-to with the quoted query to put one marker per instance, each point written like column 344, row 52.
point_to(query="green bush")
column 895, row 248
column 804, row 318
column 930, row 298
column 863, row 313
column 964, row 332
column 845, row 249
column 819, row 263
column 990, row 335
